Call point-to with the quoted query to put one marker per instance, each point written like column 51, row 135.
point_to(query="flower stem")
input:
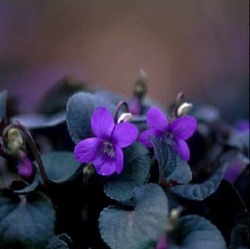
column 118, row 108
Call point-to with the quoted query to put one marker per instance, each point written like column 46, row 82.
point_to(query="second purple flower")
column 175, row 132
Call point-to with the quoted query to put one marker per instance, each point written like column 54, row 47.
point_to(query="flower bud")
column 184, row 109
column 140, row 89
column 25, row 167
column 173, row 219
column 14, row 140
column 125, row 117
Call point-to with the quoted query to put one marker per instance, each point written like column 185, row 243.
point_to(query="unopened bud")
column 125, row 117
column 87, row 171
column 14, row 140
column 173, row 219
column 184, row 109
column 25, row 167
column 140, row 89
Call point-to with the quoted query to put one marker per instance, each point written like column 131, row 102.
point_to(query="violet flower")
column 105, row 150
column 175, row 132
column 25, row 167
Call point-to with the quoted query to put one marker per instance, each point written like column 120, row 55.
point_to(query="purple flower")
column 25, row 167
column 105, row 150
column 175, row 132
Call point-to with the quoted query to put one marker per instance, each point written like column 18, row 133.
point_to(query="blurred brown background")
column 196, row 46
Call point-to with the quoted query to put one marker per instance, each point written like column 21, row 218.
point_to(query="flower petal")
column 102, row 123
column 183, row 127
column 119, row 160
column 156, row 119
column 182, row 148
column 145, row 136
column 105, row 165
column 87, row 150
column 124, row 134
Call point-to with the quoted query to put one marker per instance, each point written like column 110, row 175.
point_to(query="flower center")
column 108, row 149
column 169, row 138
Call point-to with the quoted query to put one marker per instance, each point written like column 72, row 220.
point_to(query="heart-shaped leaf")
column 61, row 241
column 60, row 165
column 171, row 166
column 3, row 101
column 30, row 187
column 80, row 108
column 200, row 191
column 196, row 232
column 39, row 121
column 110, row 96
column 123, row 229
column 26, row 221
column 135, row 173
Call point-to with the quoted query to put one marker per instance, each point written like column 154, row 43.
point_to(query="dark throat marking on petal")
column 108, row 150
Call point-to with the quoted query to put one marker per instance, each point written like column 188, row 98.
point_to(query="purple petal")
column 183, row 127
column 25, row 168
column 145, row 136
column 102, row 123
column 162, row 242
column 156, row 119
column 105, row 165
column 124, row 134
column 87, row 150
column 236, row 167
column 182, row 148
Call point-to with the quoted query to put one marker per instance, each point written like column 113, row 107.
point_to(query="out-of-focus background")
column 196, row 46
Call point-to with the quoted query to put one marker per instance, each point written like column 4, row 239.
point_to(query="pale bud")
column 15, row 140
column 125, row 117
column 184, row 109
column 173, row 218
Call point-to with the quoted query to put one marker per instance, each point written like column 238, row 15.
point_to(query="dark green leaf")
column 140, row 122
column 196, row 232
column 60, row 165
column 135, row 173
column 25, row 222
column 135, row 229
column 3, row 101
column 199, row 191
column 38, row 121
column 171, row 166
column 240, row 140
column 30, row 187
column 205, row 113
column 110, row 96
column 80, row 108
column 227, row 211
column 61, row 241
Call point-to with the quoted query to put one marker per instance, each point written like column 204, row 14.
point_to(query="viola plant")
column 97, row 170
